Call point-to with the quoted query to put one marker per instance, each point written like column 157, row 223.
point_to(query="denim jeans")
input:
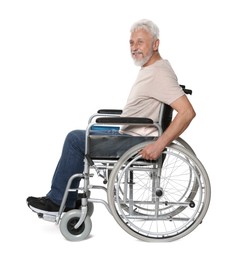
column 71, row 162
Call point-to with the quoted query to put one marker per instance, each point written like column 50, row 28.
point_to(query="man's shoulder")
column 163, row 65
column 161, row 68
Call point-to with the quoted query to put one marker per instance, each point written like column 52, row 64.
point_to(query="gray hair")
column 147, row 25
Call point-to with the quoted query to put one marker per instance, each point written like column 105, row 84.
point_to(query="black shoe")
column 44, row 205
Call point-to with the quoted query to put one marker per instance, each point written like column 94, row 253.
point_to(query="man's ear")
column 156, row 45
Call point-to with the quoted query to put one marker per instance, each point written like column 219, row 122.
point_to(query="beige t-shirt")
column 155, row 84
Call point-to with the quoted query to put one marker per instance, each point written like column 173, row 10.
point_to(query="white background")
column 60, row 61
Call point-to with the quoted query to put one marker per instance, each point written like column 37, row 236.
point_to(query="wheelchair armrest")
column 106, row 112
column 124, row 120
column 110, row 111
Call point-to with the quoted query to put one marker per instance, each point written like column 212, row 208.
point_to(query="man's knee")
column 76, row 138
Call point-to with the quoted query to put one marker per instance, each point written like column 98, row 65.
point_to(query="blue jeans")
column 71, row 162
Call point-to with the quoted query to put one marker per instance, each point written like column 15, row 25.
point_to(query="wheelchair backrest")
column 165, row 116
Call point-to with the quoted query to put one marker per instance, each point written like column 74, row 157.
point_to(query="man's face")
column 141, row 44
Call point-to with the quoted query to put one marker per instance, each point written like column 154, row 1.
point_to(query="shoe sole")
column 41, row 213
column 53, row 213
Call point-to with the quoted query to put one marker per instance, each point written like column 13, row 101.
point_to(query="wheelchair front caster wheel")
column 67, row 226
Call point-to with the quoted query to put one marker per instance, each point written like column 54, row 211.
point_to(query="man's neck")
column 155, row 57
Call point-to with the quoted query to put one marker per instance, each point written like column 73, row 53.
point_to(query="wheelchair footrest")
column 47, row 217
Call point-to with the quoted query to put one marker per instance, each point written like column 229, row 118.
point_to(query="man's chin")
column 139, row 62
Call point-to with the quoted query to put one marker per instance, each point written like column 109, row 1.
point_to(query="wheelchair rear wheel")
column 160, row 200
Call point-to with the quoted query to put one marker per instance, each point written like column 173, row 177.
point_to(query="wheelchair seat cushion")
column 112, row 147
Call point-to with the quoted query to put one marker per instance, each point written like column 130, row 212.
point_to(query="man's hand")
column 151, row 151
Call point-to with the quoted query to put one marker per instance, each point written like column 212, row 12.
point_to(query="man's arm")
column 184, row 116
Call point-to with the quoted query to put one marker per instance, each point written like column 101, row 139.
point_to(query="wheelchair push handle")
column 186, row 91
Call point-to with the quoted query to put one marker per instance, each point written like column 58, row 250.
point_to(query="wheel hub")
column 159, row 192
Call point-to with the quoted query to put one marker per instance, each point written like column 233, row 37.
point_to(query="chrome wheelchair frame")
column 160, row 200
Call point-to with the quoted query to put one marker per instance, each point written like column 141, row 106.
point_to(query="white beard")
column 144, row 60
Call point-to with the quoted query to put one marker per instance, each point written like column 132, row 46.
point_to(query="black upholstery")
column 112, row 147
column 166, row 114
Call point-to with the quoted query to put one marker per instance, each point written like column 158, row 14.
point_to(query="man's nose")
column 134, row 47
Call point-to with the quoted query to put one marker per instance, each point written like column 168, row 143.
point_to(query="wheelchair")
column 160, row 200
